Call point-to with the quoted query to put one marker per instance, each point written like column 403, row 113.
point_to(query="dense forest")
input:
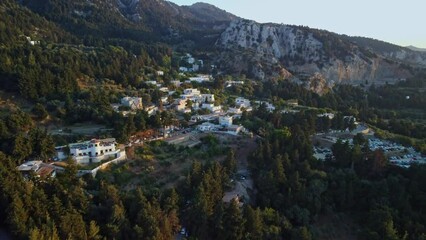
column 293, row 191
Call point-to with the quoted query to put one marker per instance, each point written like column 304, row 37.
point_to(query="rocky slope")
column 272, row 50
column 262, row 51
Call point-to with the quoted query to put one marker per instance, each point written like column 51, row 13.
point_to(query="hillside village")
column 197, row 109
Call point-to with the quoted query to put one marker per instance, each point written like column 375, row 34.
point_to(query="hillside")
column 317, row 58
column 265, row 50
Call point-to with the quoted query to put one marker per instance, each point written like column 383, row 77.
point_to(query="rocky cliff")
column 272, row 50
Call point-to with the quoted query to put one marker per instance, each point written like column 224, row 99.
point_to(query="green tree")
column 93, row 231
column 253, row 224
column 18, row 216
column 230, row 163
column 233, row 221
column 40, row 111
column 21, row 148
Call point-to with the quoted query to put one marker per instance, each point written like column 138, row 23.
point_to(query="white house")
column 183, row 69
column 151, row 82
column 269, row 106
column 200, row 78
column 133, row 103
column 233, row 83
column 181, row 105
column 242, row 102
column 92, row 151
column 234, row 129
column 160, row 73
column 164, row 89
column 32, row 42
column 225, row 121
column 191, row 94
column 191, row 91
column 328, row 115
column 151, row 110
column 164, row 99
column 207, row 98
column 206, row 127
column 232, row 110
column 177, row 83
column 211, row 107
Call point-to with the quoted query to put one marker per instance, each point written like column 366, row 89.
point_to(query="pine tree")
column 230, row 163
column 22, row 148
column 234, row 222
column 93, row 231
column 18, row 216
column 253, row 224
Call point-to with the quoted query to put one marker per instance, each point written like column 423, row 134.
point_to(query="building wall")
column 90, row 151
column 225, row 121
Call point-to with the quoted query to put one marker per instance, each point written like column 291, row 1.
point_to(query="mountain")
column 207, row 12
column 147, row 20
column 317, row 58
column 304, row 54
column 416, row 48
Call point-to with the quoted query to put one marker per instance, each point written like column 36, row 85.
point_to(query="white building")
column 181, row 105
column 191, row 94
column 151, row 82
column 32, row 42
column 164, row 89
column 151, row 110
column 211, row 107
column 234, row 129
column 92, row 151
column 225, row 121
column 207, row 127
column 328, row 115
column 183, row 69
column 133, row 103
column 177, row 83
column 200, row 78
column 191, row 91
column 232, row 110
column 165, row 99
column 207, row 98
column 233, row 83
column 269, row 106
column 160, row 73
column 242, row 102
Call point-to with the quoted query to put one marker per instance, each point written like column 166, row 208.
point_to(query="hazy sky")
column 395, row 21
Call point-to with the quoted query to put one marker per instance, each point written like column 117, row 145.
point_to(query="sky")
column 395, row 21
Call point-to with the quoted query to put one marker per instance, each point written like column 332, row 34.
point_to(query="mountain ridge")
column 414, row 48
column 263, row 51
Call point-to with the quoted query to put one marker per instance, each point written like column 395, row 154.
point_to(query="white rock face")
column 275, row 47
column 277, row 41
column 413, row 57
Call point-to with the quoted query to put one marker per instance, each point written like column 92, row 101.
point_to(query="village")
column 397, row 154
column 197, row 112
